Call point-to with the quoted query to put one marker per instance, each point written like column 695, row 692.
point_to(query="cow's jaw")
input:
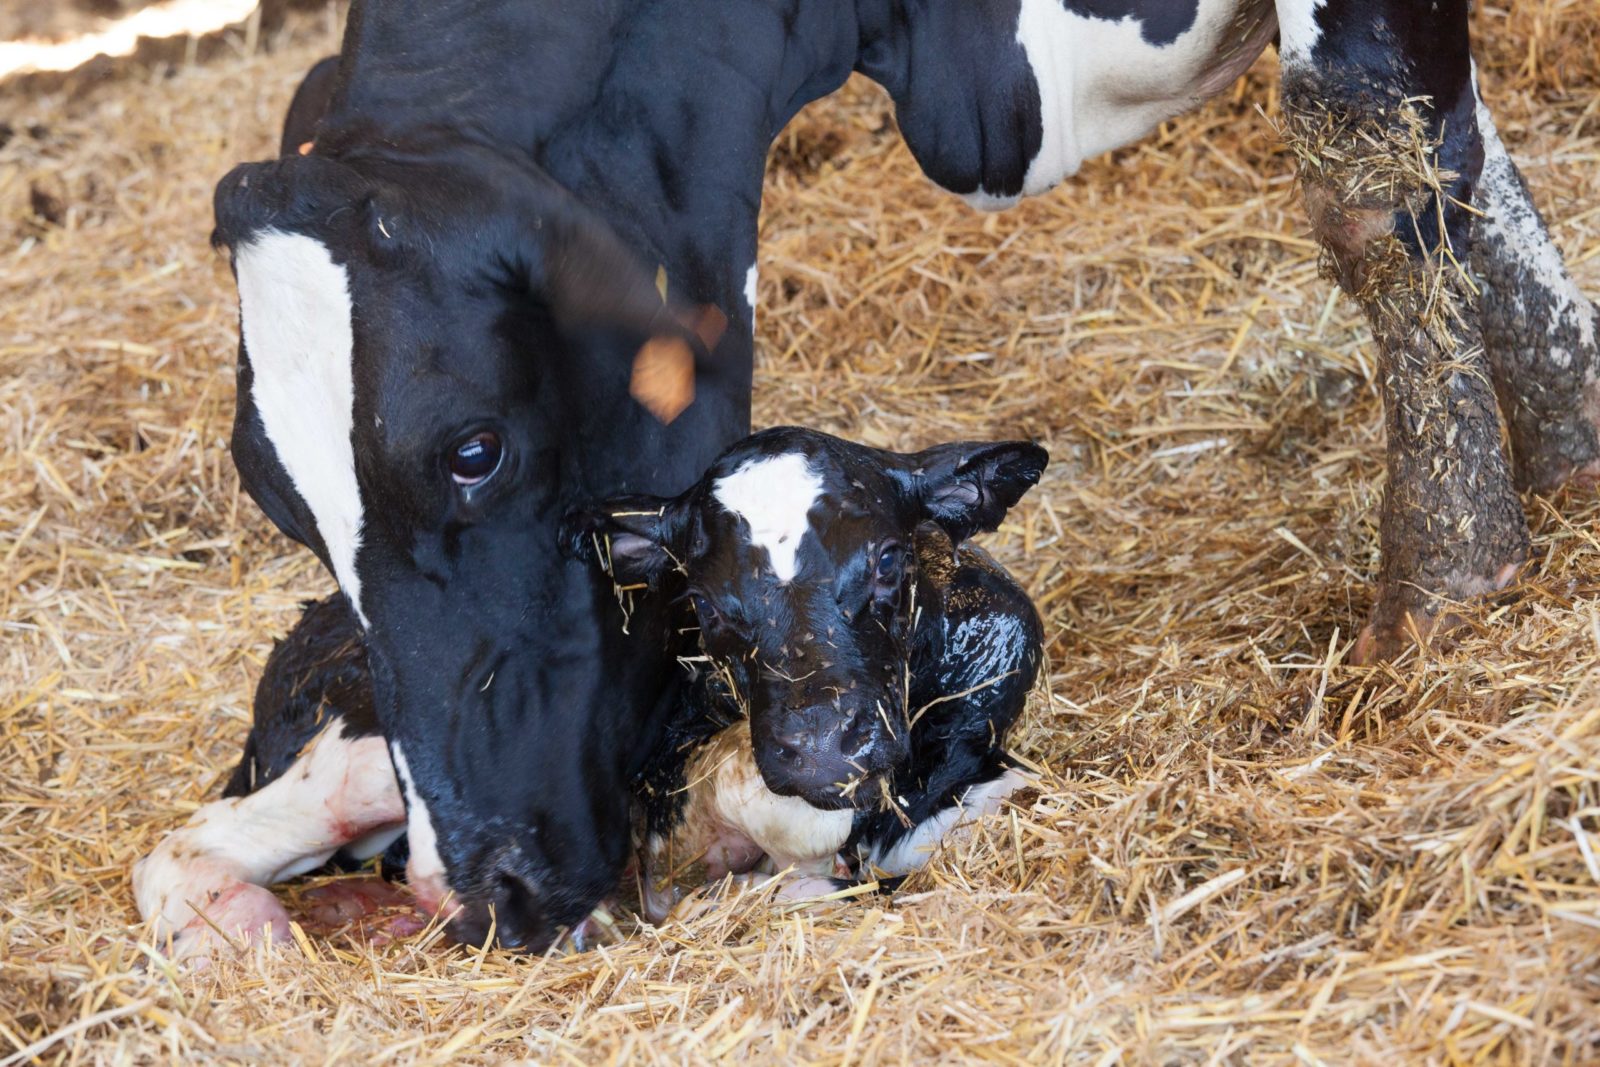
column 295, row 317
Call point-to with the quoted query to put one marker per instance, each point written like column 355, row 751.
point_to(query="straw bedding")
column 1246, row 850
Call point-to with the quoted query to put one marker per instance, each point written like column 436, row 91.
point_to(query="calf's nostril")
column 858, row 736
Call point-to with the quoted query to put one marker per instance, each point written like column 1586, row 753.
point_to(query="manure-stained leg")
column 1379, row 110
column 1542, row 334
column 315, row 782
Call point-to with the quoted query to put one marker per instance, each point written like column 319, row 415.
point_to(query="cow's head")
column 435, row 357
column 795, row 550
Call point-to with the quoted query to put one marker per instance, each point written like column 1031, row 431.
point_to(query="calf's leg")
column 1541, row 333
column 1379, row 111
column 315, row 779
column 206, row 881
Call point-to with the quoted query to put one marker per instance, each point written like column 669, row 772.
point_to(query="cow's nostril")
column 511, row 903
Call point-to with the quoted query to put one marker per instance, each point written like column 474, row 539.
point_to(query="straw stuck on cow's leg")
column 1541, row 333
column 1384, row 208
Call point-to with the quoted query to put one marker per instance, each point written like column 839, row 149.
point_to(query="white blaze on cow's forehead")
column 294, row 312
column 424, row 864
column 774, row 496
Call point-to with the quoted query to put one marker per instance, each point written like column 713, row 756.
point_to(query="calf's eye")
column 891, row 564
column 710, row 618
column 475, row 459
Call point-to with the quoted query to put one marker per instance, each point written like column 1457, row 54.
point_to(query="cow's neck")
column 657, row 113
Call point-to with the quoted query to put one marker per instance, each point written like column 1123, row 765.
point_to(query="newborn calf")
column 861, row 666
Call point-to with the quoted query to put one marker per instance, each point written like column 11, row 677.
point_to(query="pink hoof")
column 1402, row 620
column 232, row 918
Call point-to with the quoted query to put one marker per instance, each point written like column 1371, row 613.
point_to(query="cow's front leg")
column 1379, row 111
column 1541, row 333
column 206, row 881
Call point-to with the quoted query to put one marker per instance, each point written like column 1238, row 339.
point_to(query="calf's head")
column 795, row 550
column 435, row 356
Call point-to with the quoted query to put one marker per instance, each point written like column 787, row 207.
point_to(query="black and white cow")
column 861, row 663
column 440, row 300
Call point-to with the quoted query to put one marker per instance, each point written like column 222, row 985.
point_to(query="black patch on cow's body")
column 1160, row 21
column 980, row 635
column 704, row 710
column 315, row 679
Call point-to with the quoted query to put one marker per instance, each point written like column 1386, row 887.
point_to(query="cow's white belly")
column 1103, row 85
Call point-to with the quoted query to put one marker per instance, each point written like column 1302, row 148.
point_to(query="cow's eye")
column 705, row 611
column 475, row 459
column 891, row 566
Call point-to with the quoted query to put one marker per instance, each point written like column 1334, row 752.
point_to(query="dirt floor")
column 1247, row 851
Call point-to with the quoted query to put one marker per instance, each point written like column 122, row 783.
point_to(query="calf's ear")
column 630, row 538
column 969, row 486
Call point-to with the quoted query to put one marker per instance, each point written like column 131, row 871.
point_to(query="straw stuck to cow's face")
column 795, row 551
column 430, row 342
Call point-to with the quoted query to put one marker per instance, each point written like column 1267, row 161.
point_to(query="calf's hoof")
column 1406, row 617
column 232, row 919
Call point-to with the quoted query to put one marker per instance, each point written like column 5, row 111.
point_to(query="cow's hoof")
column 1586, row 476
column 234, row 919
column 1406, row 618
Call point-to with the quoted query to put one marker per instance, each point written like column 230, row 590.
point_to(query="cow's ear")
column 969, row 486
column 585, row 275
column 630, row 538
column 573, row 263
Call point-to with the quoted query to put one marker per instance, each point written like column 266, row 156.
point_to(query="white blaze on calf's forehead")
column 774, row 496
column 294, row 312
